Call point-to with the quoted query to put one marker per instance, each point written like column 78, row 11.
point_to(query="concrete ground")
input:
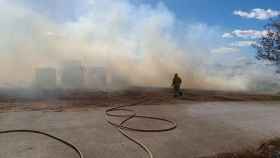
column 203, row 129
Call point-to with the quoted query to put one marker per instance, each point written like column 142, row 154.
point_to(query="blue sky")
column 211, row 12
column 218, row 12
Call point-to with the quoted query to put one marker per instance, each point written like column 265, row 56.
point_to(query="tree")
column 268, row 46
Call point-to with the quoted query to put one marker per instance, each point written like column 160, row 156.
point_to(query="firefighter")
column 176, row 84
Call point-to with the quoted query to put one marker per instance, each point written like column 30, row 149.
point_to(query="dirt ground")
column 208, row 122
column 203, row 130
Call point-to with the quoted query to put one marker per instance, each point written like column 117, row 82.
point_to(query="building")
column 117, row 81
column 96, row 78
column 72, row 75
column 45, row 78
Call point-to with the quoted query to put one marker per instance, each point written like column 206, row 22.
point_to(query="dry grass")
column 268, row 149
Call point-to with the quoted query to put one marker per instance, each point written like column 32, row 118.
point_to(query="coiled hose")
column 121, row 127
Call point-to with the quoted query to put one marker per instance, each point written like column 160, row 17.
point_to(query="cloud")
column 257, row 13
column 246, row 34
column 227, row 35
column 243, row 43
column 53, row 35
column 224, row 50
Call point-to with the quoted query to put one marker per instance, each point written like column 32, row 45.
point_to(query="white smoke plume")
column 143, row 44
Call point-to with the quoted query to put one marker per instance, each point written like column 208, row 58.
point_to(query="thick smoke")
column 142, row 44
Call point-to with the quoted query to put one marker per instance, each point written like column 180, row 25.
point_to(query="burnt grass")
column 80, row 100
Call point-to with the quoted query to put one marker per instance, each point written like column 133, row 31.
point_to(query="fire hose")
column 72, row 146
column 122, row 127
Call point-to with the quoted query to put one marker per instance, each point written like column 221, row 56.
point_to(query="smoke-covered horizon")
column 143, row 44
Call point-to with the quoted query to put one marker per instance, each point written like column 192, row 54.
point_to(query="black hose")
column 76, row 149
column 122, row 127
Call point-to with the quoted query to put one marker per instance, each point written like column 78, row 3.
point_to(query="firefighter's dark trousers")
column 177, row 91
